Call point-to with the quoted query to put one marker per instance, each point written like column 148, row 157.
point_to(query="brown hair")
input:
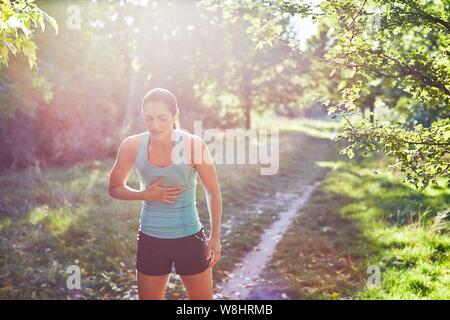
column 166, row 97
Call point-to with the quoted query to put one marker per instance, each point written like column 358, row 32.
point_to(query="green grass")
column 359, row 219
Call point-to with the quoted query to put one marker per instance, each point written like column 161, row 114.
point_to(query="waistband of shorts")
column 171, row 233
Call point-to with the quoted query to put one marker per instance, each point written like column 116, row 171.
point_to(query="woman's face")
column 158, row 119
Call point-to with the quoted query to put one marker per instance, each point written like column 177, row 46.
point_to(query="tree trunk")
column 248, row 110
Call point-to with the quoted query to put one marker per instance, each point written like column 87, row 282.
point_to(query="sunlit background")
column 62, row 120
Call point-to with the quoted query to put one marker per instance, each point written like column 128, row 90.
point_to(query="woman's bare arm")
column 208, row 176
column 120, row 172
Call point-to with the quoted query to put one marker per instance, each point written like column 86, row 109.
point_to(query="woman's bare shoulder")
column 133, row 139
column 130, row 144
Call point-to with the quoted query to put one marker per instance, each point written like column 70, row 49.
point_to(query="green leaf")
column 52, row 22
column 29, row 49
column 4, row 52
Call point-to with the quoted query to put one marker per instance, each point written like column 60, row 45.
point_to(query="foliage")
column 18, row 21
column 92, row 76
column 393, row 53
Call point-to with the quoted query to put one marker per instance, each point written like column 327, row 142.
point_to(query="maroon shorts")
column 155, row 256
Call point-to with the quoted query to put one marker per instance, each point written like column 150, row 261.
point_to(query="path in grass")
column 247, row 274
column 250, row 248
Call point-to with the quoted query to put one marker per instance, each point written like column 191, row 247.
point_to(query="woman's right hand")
column 156, row 192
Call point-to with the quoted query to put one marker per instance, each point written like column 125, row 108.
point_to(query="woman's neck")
column 164, row 143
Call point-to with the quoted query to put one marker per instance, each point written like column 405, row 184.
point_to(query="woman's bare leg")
column 151, row 287
column 199, row 286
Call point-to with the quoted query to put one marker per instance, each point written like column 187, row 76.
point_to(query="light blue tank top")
column 160, row 219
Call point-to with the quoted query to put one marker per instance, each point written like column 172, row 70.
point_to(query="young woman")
column 170, row 230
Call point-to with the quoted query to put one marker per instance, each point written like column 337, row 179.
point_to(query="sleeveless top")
column 160, row 219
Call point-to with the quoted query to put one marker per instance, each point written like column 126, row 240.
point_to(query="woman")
column 170, row 230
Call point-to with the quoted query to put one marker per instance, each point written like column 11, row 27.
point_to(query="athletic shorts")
column 155, row 256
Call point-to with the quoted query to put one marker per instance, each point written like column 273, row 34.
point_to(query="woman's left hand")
column 213, row 247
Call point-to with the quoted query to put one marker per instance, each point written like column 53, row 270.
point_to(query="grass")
column 358, row 219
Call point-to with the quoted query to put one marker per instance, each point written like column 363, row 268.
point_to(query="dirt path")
column 246, row 276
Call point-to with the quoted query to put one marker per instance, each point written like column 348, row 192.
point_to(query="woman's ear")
column 176, row 121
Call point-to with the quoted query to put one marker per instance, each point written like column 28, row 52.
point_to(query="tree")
column 383, row 48
column 18, row 21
